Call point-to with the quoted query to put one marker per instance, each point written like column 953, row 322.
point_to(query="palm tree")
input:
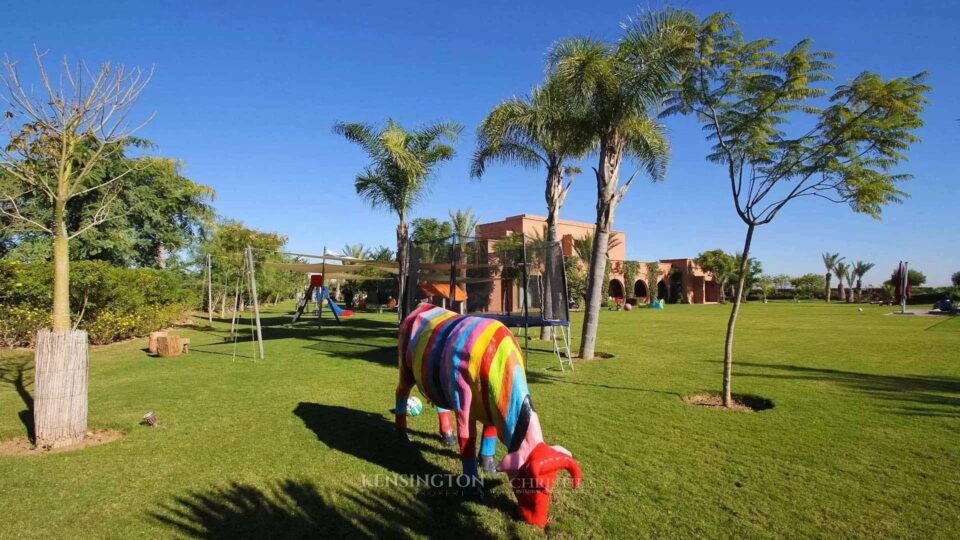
column 830, row 260
column 401, row 164
column 464, row 225
column 546, row 129
column 860, row 269
column 850, row 278
column 621, row 87
column 841, row 269
column 583, row 247
column 355, row 251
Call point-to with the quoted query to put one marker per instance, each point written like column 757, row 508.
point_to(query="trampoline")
column 514, row 279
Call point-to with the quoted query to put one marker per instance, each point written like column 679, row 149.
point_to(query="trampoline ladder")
column 566, row 348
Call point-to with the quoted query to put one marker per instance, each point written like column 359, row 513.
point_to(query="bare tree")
column 60, row 133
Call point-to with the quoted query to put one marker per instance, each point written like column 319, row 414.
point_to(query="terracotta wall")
column 698, row 286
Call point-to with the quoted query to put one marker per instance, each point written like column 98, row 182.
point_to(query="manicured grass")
column 864, row 439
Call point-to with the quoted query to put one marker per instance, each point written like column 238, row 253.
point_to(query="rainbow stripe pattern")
column 470, row 364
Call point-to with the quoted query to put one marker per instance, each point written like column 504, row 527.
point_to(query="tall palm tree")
column 841, row 269
column 622, row 87
column 546, row 129
column 860, row 269
column 401, row 164
column 830, row 260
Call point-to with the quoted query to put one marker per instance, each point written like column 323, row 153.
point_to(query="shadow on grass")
column 537, row 377
column 932, row 396
column 15, row 374
column 359, row 339
column 372, row 438
column 298, row 509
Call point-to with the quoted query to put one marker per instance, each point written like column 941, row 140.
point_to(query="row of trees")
column 604, row 99
column 851, row 273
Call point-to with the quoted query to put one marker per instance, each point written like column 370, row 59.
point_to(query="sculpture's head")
column 532, row 482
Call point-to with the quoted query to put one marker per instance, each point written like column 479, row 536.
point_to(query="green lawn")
column 864, row 439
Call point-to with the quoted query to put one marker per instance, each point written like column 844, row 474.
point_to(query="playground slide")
column 324, row 294
column 337, row 310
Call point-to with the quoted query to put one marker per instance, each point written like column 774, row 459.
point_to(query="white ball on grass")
column 414, row 406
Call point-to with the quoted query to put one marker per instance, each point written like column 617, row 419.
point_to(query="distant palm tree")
column 380, row 253
column 829, row 261
column 546, row 130
column 355, row 251
column 841, row 269
column 464, row 225
column 583, row 247
column 860, row 269
column 851, row 278
column 401, row 164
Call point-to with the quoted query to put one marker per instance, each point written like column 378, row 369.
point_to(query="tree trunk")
column 209, row 293
column 841, row 294
column 402, row 257
column 827, row 292
column 554, row 200
column 859, row 291
column 60, row 406
column 161, row 257
column 61, row 270
column 223, row 303
column 608, row 173
column 732, row 322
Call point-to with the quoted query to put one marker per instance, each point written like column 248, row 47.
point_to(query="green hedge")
column 116, row 303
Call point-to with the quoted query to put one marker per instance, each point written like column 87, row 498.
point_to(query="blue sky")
column 245, row 94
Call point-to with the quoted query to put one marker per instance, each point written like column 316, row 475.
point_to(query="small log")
column 60, row 405
column 186, row 344
column 152, row 344
column 168, row 346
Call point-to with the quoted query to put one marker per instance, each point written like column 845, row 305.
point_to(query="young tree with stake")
column 744, row 93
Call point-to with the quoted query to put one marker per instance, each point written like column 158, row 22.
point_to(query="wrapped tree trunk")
column 60, row 406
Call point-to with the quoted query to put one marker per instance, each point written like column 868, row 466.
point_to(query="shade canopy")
column 430, row 288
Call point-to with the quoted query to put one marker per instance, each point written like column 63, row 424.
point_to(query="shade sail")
column 443, row 289
column 316, row 268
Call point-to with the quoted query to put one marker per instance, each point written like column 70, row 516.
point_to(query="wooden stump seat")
column 152, row 343
column 169, row 345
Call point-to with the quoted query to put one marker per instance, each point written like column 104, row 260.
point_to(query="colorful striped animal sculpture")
column 474, row 366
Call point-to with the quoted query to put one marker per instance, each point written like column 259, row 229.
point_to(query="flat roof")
column 535, row 217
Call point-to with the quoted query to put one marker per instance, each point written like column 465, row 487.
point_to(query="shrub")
column 116, row 303
column 19, row 325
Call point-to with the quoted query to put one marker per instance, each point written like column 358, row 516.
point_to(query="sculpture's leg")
column 446, row 426
column 403, row 392
column 488, row 447
column 470, row 482
column 467, row 433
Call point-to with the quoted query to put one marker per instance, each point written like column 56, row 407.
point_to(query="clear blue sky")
column 246, row 92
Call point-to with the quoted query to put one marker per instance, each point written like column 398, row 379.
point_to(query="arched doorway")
column 616, row 289
column 640, row 290
column 663, row 291
column 676, row 287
